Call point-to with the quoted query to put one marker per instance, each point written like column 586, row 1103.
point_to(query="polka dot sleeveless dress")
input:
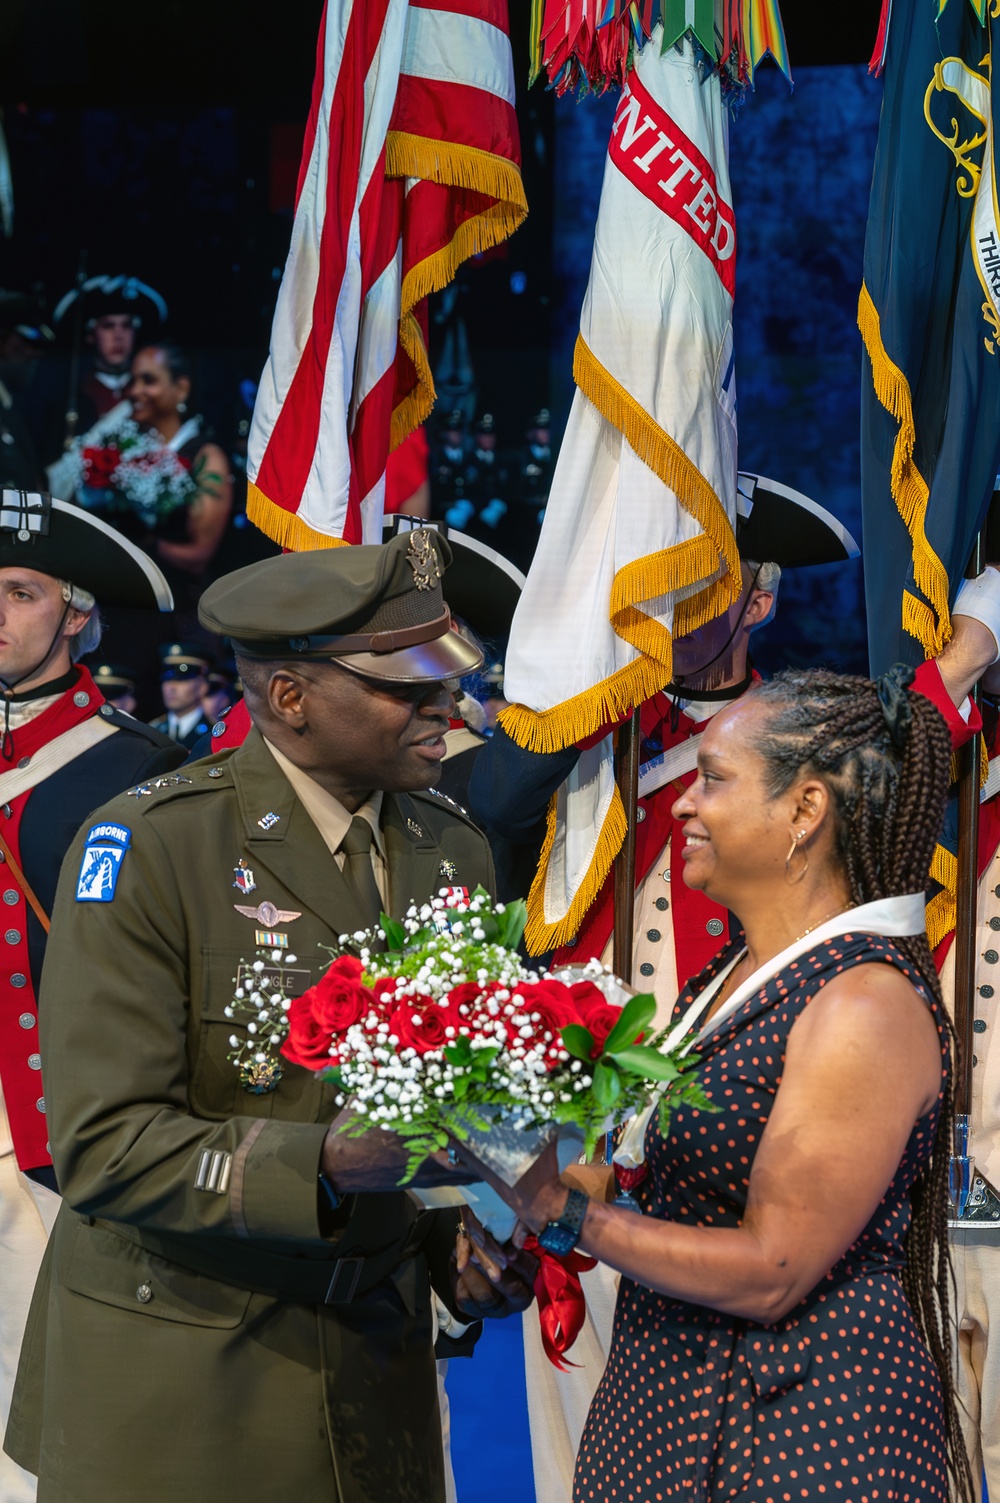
column 840, row 1399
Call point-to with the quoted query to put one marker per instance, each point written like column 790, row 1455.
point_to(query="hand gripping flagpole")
column 627, row 774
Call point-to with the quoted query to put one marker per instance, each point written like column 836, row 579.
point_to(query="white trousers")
column 976, row 1257
column 27, row 1212
column 558, row 1403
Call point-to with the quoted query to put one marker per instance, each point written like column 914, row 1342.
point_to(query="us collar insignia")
column 414, row 828
column 268, row 821
column 423, row 560
column 171, row 780
column 244, row 877
column 448, row 869
column 266, row 913
column 142, row 791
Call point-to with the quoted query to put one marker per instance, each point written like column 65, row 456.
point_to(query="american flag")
column 411, row 164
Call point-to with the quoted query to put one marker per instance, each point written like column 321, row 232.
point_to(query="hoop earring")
column 796, row 845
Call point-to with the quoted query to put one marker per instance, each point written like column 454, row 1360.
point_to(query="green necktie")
column 358, row 873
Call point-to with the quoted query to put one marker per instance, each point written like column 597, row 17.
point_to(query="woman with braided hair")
column 782, row 1329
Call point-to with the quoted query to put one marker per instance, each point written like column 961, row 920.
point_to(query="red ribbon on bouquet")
column 561, row 1303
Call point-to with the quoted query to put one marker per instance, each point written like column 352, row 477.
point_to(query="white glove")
column 980, row 599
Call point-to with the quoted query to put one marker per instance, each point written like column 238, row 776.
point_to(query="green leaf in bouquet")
column 513, row 919
column 482, row 1059
column 578, row 1040
column 460, row 1052
column 636, row 1016
column 607, row 1085
column 638, row 1059
column 395, row 934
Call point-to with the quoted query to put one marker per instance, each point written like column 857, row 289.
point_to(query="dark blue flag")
column 929, row 315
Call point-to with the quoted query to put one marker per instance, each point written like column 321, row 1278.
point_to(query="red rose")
column 384, row 992
column 307, row 1044
column 338, row 999
column 421, row 1024
column 472, row 995
column 597, row 1014
column 549, row 1006
column 100, row 465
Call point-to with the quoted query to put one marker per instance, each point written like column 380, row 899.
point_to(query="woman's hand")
column 489, row 1282
column 376, row 1160
column 539, row 1195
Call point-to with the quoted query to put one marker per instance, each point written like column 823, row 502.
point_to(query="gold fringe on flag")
column 456, row 166
column 931, row 627
column 539, row 934
column 942, row 907
column 286, row 528
column 684, row 566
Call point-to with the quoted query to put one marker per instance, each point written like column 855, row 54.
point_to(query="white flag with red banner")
column 411, row 164
column 637, row 542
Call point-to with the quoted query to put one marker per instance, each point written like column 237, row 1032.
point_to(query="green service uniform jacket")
column 193, row 1335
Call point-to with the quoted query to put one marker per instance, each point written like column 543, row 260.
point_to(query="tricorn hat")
column 113, row 294
column 376, row 609
column 775, row 524
column 483, row 586
column 39, row 532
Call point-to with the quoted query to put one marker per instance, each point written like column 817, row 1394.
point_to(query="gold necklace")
column 833, row 914
column 730, row 984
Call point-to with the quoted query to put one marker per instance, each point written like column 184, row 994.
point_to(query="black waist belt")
column 304, row 1281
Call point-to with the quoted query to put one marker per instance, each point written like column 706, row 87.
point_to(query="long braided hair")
column 884, row 753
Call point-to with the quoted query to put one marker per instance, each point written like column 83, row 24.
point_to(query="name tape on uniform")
column 102, row 861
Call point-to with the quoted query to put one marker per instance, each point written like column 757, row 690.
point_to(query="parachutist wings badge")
column 267, row 914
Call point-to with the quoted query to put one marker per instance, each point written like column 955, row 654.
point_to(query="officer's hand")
column 489, row 1281
column 377, row 1161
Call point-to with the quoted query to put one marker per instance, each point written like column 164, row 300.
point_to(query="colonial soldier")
column 184, row 671
column 110, row 311
column 63, row 750
column 236, row 1302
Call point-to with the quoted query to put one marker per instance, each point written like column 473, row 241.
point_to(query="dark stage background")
column 169, row 150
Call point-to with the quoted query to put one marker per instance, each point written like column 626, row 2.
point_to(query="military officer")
column 184, row 670
column 236, row 1301
column 63, row 750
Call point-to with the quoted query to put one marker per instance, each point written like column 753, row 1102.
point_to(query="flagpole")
column 627, row 775
column 966, row 951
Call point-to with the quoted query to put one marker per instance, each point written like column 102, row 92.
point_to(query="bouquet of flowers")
column 124, row 469
column 445, row 1034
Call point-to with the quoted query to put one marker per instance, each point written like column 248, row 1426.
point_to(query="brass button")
column 666, row 875
column 40, row 1104
column 646, row 969
column 27, row 1020
column 10, row 897
column 18, row 979
column 715, row 927
column 81, row 698
column 13, row 936
column 144, row 1294
column 663, row 904
column 653, row 935
column 35, row 1061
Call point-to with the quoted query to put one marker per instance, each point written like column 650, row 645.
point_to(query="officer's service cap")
column 114, row 679
column 38, row 532
column 183, row 660
column 376, row 609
